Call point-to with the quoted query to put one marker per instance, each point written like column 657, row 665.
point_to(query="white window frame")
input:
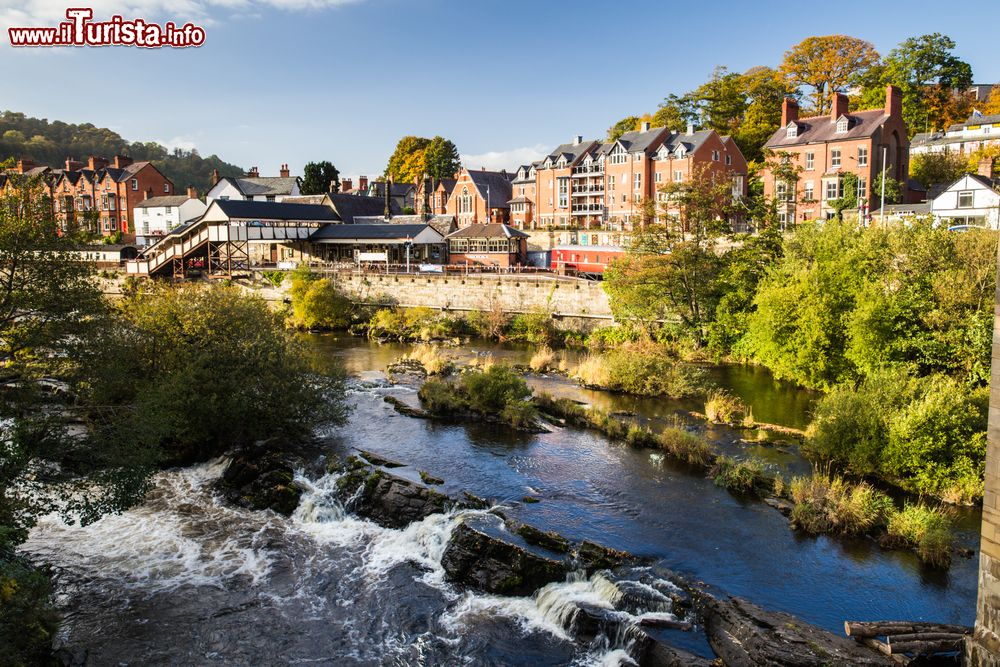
column 835, row 157
column 862, row 156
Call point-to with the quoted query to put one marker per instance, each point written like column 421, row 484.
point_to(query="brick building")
column 480, row 197
column 824, row 148
column 112, row 188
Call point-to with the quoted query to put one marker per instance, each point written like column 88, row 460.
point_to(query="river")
column 186, row 579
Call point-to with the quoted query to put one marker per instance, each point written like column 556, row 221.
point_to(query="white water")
column 184, row 536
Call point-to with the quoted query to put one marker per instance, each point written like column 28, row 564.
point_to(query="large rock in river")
column 258, row 478
column 489, row 563
column 744, row 635
column 388, row 500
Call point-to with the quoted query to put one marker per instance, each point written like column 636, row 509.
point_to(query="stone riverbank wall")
column 580, row 303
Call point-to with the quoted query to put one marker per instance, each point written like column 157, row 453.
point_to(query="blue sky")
column 299, row 80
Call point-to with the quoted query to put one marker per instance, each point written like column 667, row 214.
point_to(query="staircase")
column 176, row 247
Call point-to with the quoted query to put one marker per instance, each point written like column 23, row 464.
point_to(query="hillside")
column 51, row 142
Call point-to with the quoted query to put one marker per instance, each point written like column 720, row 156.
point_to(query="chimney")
column 388, row 199
column 577, row 140
column 346, row 184
column 645, row 126
column 363, row 183
column 893, row 101
column 192, row 192
column 73, row 165
column 690, row 128
column 95, row 163
column 215, row 176
column 789, row 111
column 253, row 173
column 120, row 161
column 24, row 165
column 149, row 193
column 284, row 171
column 838, row 106
column 482, row 169
column 986, row 167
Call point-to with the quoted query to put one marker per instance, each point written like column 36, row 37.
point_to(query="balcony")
column 582, row 172
column 581, row 190
column 588, row 209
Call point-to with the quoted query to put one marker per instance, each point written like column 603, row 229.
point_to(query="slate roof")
column 168, row 200
column 973, row 121
column 252, row 186
column 638, row 140
column 347, row 206
column 367, row 232
column 305, row 199
column 498, row 183
column 269, row 210
column 573, row 152
column 492, row 230
column 448, row 183
column 398, row 189
column 820, row 129
column 691, row 142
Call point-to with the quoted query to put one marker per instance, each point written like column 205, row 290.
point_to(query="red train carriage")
column 584, row 260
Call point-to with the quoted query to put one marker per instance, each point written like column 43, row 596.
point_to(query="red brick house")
column 822, row 149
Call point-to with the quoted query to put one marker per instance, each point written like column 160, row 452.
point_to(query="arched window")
column 465, row 201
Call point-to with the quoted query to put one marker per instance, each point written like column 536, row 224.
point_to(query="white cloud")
column 183, row 143
column 44, row 13
column 509, row 159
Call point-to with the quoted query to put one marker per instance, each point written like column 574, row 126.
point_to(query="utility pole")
column 885, row 153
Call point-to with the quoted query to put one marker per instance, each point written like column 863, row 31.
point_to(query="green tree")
column 409, row 161
column 193, row 371
column 441, row 159
column 893, row 191
column 319, row 178
column 931, row 79
column 931, row 169
column 627, row 124
column 827, row 64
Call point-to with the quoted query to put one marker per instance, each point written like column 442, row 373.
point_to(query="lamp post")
column 408, row 244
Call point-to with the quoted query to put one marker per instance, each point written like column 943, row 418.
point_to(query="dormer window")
column 680, row 151
column 843, row 124
column 792, row 131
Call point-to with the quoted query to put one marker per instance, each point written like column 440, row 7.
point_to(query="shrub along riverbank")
column 893, row 324
column 817, row 504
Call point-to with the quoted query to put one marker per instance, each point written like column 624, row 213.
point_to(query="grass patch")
column 498, row 394
column 924, row 528
column 432, row 359
column 831, row 505
column 744, row 478
column 685, row 446
column 644, row 368
column 724, row 408
column 542, row 360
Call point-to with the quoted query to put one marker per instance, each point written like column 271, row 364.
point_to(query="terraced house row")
column 595, row 185
column 99, row 191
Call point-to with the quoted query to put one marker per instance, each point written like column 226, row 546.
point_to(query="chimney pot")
column 284, row 171
column 789, row 111
column 690, row 128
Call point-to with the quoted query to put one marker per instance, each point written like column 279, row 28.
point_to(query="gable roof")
column 492, row 230
column 571, row 151
column 637, row 140
column 270, row 210
column 348, row 206
column 382, row 232
column 251, row 186
column 167, row 200
column 820, row 129
column 691, row 142
column 498, row 183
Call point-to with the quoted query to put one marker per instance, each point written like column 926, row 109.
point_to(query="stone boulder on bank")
column 745, row 635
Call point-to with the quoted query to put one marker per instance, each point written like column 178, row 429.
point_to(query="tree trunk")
column 861, row 629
